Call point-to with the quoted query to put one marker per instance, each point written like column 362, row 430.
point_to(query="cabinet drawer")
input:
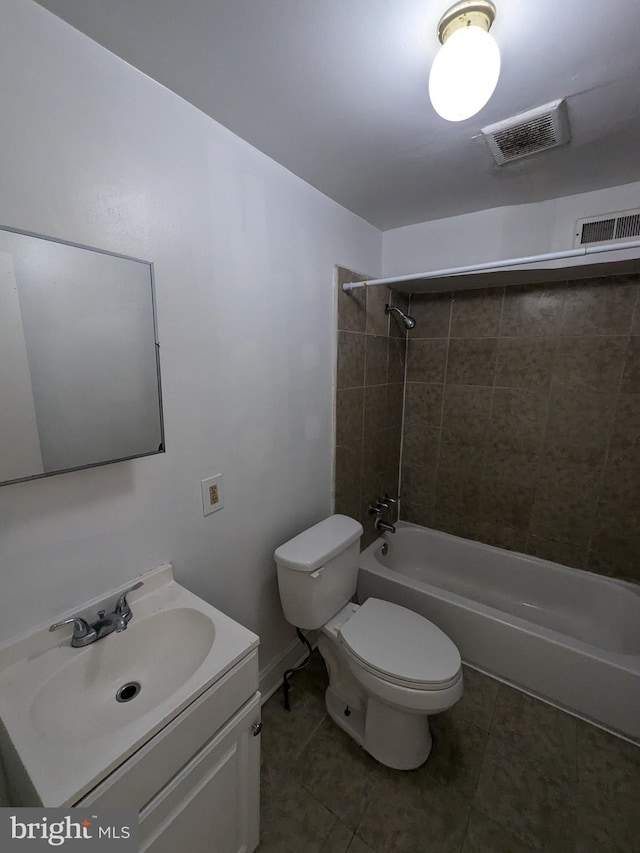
column 148, row 770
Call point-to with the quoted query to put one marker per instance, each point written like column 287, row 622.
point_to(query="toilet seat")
column 400, row 647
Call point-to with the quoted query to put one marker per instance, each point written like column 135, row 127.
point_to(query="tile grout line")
column 338, row 389
column 463, row 841
column 472, row 797
column 444, row 394
column 390, row 338
column 483, row 461
column 309, row 738
column 556, row 344
column 404, row 406
column 364, row 407
column 613, row 424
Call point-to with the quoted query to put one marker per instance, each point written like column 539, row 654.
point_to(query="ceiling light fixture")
column 465, row 72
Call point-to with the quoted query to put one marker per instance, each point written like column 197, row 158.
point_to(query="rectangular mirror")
column 79, row 361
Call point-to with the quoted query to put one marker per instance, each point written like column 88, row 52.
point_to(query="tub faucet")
column 386, row 501
column 381, row 504
column 107, row 623
column 383, row 526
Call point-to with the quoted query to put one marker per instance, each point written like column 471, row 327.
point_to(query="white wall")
column 498, row 233
column 95, row 152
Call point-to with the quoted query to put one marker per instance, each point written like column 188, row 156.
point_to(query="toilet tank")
column 318, row 570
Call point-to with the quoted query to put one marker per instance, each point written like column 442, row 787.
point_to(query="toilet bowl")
column 389, row 668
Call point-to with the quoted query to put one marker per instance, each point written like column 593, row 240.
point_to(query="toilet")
column 389, row 668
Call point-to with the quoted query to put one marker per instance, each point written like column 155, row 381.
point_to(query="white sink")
column 65, row 730
column 159, row 653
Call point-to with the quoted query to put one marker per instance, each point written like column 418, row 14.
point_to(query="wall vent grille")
column 628, row 226
column 608, row 228
column 528, row 133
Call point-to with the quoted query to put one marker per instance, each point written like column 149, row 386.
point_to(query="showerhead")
column 407, row 322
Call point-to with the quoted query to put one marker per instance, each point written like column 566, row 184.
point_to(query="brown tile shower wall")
column 369, row 397
column 522, row 420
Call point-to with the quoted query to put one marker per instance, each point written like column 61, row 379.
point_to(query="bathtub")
column 567, row 636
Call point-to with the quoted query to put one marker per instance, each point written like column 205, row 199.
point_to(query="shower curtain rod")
column 496, row 265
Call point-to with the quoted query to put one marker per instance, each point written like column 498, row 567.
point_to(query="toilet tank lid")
column 319, row 544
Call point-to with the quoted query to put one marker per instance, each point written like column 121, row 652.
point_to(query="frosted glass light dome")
column 464, row 74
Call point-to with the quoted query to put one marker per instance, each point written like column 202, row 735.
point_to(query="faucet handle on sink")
column 81, row 628
column 122, row 606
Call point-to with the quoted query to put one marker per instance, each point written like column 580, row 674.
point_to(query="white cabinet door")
column 213, row 804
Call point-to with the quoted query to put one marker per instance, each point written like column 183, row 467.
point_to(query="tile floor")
column 507, row 774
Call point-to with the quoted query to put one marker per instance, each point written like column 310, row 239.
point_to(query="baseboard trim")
column 293, row 655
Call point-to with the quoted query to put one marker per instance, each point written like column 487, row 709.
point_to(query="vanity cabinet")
column 196, row 784
column 182, row 752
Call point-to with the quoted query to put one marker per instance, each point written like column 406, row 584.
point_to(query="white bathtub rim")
column 626, row 662
column 559, row 568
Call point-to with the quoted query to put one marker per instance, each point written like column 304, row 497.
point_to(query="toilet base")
column 395, row 738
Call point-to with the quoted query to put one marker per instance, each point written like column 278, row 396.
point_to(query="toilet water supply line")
column 286, row 687
column 496, row 265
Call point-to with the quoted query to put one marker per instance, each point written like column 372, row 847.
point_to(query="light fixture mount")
column 467, row 13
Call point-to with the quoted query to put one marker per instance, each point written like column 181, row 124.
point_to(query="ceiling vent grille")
column 528, row 133
column 608, row 228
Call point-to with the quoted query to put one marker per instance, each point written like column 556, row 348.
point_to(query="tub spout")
column 384, row 527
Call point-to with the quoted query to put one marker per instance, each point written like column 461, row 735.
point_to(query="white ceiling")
column 336, row 91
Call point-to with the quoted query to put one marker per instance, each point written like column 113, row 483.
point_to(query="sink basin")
column 62, row 729
column 79, row 699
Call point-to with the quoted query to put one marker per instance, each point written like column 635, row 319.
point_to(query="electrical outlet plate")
column 212, row 494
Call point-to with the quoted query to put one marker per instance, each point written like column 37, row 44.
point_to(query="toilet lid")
column 400, row 644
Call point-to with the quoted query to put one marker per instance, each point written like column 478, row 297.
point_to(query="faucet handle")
column 387, row 500
column 122, row 605
column 375, row 508
column 81, row 628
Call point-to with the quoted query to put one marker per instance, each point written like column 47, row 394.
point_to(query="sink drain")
column 128, row 691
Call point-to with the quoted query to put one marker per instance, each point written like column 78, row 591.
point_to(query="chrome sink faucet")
column 107, row 623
